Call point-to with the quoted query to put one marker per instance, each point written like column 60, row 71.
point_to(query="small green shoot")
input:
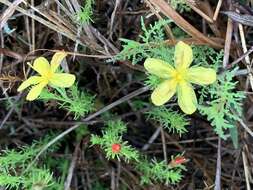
column 85, row 15
column 169, row 119
column 225, row 107
column 112, row 143
column 77, row 102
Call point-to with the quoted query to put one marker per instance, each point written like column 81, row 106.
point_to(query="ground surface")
column 34, row 29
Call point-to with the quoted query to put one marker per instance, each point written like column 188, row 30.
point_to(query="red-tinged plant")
column 116, row 148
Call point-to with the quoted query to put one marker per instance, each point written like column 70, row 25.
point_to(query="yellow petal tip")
column 156, row 103
column 28, row 99
column 189, row 112
column 156, row 99
column 147, row 62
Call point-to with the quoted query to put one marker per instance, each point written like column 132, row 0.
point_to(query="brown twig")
column 9, row 12
column 167, row 10
column 164, row 146
column 217, row 10
column 193, row 41
column 72, row 167
column 228, row 42
column 246, row 170
column 200, row 12
column 218, row 168
column 240, row 58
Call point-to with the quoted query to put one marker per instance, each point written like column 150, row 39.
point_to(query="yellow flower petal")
column 164, row 92
column 187, row 100
column 35, row 91
column 183, row 55
column 201, row 75
column 57, row 59
column 159, row 68
column 41, row 65
column 62, row 80
column 30, row 81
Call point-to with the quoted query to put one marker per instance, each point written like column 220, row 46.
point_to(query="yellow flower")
column 178, row 79
column 48, row 76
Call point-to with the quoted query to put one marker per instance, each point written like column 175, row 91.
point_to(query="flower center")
column 48, row 75
column 179, row 76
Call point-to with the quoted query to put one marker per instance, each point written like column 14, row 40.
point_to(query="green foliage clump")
column 159, row 172
column 225, row 107
column 151, row 39
column 179, row 5
column 154, row 33
column 39, row 179
column 16, row 171
column 76, row 102
column 163, row 52
column 132, row 50
column 169, row 119
column 113, row 135
column 152, row 45
column 86, row 12
column 151, row 171
column 152, row 81
column 204, row 55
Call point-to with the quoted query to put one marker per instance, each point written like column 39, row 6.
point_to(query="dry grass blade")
column 9, row 12
column 55, row 26
column 167, row 10
column 200, row 12
column 218, row 168
column 214, row 26
column 42, row 21
column 243, row 124
column 217, row 10
column 246, row 170
column 117, row 5
column 228, row 42
column 195, row 41
column 72, row 167
column 241, row 57
column 247, row 59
